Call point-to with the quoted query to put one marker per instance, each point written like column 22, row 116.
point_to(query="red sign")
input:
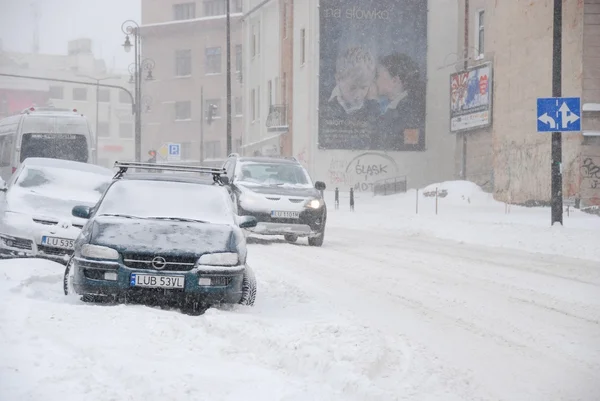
column 483, row 84
column 113, row 148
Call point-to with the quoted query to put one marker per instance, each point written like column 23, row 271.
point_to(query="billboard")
column 372, row 74
column 471, row 98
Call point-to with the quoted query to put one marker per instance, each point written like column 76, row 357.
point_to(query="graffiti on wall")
column 590, row 180
column 362, row 171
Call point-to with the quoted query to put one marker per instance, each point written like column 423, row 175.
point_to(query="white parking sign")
column 174, row 151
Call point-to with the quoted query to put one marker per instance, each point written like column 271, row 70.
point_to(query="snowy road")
column 378, row 313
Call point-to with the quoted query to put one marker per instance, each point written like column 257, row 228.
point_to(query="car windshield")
column 167, row 200
column 63, row 182
column 56, row 146
column 273, row 174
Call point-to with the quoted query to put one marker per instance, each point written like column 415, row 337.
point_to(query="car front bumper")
column 22, row 246
column 310, row 223
column 90, row 279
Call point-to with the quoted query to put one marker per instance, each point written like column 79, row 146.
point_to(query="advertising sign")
column 471, row 98
column 372, row 74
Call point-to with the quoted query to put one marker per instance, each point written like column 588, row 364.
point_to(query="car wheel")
column 318, row 240
column 248, row 287
column 68, row 278
column 291, row 238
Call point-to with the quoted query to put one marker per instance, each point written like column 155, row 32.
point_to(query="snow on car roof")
column 67, row 164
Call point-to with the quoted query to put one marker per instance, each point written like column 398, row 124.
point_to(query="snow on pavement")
column 465, row 305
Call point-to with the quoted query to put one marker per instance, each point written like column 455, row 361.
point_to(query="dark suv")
column 280, row 194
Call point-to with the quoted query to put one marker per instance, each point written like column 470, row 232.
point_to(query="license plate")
column 153, row 281
column 285, row 215
column 56, row 242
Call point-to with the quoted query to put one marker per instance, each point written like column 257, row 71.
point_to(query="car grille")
column 19, row 243
column 173, row 263
column 48, row 250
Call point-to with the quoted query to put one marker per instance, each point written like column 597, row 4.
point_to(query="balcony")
column 277, row 120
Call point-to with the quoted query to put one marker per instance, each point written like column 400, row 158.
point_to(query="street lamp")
column 97, row 102
column 131, row 28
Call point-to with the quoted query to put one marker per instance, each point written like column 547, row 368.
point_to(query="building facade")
column 508, row 156
column 338, row 145
column 114, row 119
column 187, row 42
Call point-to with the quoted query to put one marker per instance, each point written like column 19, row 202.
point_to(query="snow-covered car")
column 280, row 194
column 36, row 204
column 166, row 238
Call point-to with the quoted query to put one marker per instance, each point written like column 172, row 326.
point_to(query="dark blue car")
column 162, row 238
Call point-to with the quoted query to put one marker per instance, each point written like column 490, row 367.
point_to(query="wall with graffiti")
column 590, row 179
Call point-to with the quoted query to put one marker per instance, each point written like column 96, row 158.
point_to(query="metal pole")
column 201, row 124
column 97, row 112
column 138, row 117
column 556, row 177
column 228, row 77
column 465, row 66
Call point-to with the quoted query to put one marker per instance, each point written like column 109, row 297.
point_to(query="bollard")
column 351, row 199
column 337, row 198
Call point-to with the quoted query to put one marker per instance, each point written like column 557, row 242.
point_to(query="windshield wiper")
column 178, row 219
column 121, row 215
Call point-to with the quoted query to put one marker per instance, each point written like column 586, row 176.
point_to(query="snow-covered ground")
column 471, row 304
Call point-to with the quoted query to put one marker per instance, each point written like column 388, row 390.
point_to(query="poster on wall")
column 470, row 98
column 372, row 88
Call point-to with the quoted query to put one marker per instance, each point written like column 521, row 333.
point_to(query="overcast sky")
column 64, row 20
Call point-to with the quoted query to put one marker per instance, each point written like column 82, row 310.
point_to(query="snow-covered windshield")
column 167, row 200
column 63, row 183
column 272, row 174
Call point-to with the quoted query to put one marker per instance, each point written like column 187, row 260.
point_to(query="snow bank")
column 468, row 214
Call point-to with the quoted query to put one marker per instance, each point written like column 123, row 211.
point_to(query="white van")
column 45, row 132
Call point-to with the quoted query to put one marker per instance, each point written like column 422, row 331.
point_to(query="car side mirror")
column 83, row 212
column 3, row 186
column 320, row 185
column 225, row 180
column 247, row 222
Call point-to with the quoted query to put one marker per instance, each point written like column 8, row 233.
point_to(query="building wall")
column 338, row 168
column 261, row 69
column 161, row 39
column 286, row 87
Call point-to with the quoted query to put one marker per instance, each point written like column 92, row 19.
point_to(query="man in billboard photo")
column 355, row 90
column 402, row 117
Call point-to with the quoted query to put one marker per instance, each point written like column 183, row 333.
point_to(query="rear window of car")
column 167, row 199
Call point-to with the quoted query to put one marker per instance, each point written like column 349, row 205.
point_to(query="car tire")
column 248, row 287
column 291, row 238
column 68, row 288
column 318, row 240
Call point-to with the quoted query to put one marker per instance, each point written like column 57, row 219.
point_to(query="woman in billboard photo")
column 402, row 93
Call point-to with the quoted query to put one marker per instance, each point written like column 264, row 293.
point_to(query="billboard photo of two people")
column 372, row 88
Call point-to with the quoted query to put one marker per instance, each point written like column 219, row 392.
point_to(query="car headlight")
column 99, row 252
column 314, row 204
column 219, row 259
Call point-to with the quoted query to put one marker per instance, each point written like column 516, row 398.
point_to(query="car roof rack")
column 217, row 173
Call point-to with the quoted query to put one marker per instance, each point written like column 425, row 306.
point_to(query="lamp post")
column 97, row 103
column 132, row 29
column 228, row 77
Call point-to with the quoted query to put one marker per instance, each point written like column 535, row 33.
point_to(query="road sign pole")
column 556, row 176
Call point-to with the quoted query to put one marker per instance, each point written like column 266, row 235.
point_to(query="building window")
column 184, row 11
column 80, row 94
column 125, row 130
column 213, row 149
column 214, row 7
column 214, row 102
column 236, row 6
column 258, row 102
column 186, row 150
column 253, row 104
column 302, row 46
column 183, row 110
column 124, row 97
column 480, row 34
column 103, row 129
column 213, row 60
column 239, row 106
column 284, row 88
column 183, row 63
column 256, row 40
column 56, row 92
column 104, row 95
column 238, row 58
column 269, row 93
column 285, row 19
